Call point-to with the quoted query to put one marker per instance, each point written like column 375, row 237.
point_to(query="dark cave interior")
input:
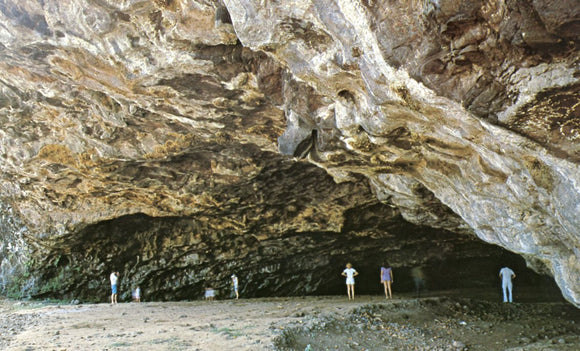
column 175, row 259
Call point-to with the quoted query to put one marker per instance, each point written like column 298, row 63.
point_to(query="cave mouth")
column 176, row 258
column 469, row 277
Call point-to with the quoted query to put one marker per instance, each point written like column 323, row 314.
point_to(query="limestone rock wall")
column 510, row 191
column 462, row 116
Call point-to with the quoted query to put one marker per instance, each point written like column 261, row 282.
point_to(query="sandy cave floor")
column 439, row 321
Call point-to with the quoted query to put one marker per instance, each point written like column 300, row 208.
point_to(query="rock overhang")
column 170, row 109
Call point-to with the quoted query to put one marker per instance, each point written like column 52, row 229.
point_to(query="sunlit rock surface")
column 181, row 141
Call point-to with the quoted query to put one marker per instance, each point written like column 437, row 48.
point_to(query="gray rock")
column 458, row 345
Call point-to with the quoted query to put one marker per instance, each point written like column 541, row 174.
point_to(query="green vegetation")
column 16, row 289
column 120, row 344
column 228, row 332
column 174, row 343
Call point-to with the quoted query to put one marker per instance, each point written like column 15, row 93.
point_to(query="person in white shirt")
column 114, row 278
column 350, row 273
column 235, row 285
column 506, row 276
column 137, row 295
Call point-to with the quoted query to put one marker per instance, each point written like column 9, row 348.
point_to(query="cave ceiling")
column 260, row 132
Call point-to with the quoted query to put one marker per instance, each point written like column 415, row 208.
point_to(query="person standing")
column 350, row 273
column 137, row 294
column 506, row 276
column 387, row 279
column 419, row 279
column 235, row 285
column 114, row 279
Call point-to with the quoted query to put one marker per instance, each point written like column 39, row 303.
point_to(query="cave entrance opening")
column 177, row 258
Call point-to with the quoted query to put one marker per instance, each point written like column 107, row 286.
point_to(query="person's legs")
column 351, row 291
column 509, row 286
column 504, row 288
column 388, row 283
column 386, row 289
column 348, row 290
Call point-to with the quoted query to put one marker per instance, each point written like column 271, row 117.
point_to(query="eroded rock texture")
column 181, row 141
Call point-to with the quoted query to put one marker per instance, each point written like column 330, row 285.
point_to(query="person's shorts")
column 350, row 281
column 114, row 288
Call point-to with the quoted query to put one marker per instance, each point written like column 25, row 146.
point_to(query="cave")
column 176, row 258
column 180, row 142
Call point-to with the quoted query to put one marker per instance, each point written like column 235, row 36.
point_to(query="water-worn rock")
column 180, row 141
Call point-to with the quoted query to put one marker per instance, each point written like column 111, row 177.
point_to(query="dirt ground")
column 439, row 321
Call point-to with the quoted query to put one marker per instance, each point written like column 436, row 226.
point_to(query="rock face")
column 181, row 141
